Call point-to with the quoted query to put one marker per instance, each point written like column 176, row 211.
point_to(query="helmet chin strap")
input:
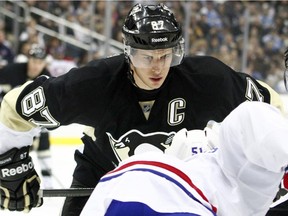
column 131, row 77
column 130, row 71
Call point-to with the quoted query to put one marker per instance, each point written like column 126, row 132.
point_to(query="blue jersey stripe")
column 117, row 208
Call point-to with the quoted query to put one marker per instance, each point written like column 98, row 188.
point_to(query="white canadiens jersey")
column 240, row 178
column 156, row 186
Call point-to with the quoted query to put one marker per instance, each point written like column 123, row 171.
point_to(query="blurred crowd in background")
column 216, row 28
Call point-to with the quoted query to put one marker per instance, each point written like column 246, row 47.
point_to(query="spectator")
column 6, row 53
column 22, row 55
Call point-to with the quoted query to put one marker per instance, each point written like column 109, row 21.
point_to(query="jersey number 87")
column 35, row 102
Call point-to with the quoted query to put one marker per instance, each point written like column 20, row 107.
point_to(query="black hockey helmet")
column 151, row 27
column 36, row 51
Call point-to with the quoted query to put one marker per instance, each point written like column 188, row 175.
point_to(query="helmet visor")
column 169, row 57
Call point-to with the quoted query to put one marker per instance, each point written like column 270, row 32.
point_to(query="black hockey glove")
column 19, row 182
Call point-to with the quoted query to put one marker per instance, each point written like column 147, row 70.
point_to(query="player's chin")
column 154, row 87
column 155, row 83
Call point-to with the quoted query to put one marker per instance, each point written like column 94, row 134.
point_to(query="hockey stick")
column 70, row 192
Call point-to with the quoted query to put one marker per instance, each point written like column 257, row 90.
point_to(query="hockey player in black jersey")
column 144, row 95
column 16, row 74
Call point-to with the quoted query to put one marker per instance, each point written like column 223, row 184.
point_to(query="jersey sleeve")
column 275, row 98
column 256, row 90
column 44, row 102
column 8, row 115
column 14, row 130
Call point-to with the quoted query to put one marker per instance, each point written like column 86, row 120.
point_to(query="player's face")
column 35, row 67
column 151, row 67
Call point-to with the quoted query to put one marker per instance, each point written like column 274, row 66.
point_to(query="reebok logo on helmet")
column 159, row 40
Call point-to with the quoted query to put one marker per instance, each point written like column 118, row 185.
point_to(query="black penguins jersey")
column 100, row 95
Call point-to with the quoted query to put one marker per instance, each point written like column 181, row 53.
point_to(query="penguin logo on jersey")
column 134, row 141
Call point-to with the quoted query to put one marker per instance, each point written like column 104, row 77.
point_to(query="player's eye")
column 148, row 59
column 167, row 56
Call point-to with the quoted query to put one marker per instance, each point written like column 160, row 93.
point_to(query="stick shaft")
column 70, row 192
